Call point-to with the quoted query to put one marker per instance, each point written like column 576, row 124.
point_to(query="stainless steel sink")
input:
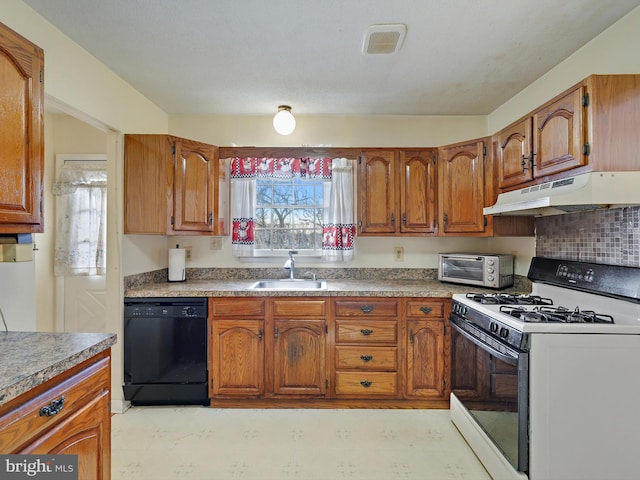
column 289, row 284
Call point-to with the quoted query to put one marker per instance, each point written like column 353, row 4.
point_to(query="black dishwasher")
column 165, row 351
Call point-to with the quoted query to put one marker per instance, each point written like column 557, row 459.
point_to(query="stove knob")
column 490, row 278
column 493, row 327
column 490, row 270
column 504, row 332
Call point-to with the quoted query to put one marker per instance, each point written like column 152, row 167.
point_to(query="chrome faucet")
column 290, row 264
column 313, row 275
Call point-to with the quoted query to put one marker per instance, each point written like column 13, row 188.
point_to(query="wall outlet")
column 187, row 253
column 398, row 254
column 215, row 243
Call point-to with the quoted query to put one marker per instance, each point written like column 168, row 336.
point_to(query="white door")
column 81, row 300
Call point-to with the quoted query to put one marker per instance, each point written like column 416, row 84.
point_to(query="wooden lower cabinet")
column 238, row 360
column 427, row 368
column 82, row 425
column 352, row 351
column 299, row 366
column 267, row 348
column 366, row 348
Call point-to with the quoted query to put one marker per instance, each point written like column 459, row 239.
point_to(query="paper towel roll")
column 176, row 264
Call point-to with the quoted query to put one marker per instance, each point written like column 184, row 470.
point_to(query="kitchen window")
column 280, row 204
column 289, row 215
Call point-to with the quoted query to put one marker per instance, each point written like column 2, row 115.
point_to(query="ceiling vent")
column 383, row 39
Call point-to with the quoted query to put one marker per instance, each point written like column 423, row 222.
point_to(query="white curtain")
column 338, row 228
column 81, row 234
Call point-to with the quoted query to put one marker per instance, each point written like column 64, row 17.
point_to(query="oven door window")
column 494, row 391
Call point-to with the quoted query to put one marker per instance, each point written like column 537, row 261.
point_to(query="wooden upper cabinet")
column 549, row 141
column 461, row 188
column 592, row 126
column 377, row 186
column 558, row 135
column 514, row 154
column 173, row 186
column 418, row 191
column 397, row 192
column 21, row 134
column 195, row 168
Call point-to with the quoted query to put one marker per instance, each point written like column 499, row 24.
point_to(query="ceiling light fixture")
column 284, row 121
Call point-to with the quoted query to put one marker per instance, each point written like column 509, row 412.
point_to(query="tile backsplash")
column 602, row 236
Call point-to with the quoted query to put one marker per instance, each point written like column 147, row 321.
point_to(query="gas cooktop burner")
column 508, row 299
column 556, row 314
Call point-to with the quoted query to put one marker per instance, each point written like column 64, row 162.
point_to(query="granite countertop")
column 28, row 359
column 336, row 288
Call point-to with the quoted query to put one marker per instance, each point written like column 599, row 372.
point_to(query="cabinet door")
column 425, row 359
column 558, row 135
column 21, row 133
column 299, row 357
column 237, row 357
column 461, row 188
column 377, row 185
column 194, row 187
column 418, row 191
column 148, row 181
column 514, row 154
column 86, row 433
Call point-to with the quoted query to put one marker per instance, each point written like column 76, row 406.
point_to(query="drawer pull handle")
column 53, row 408
column 366, row 358
column 366, row 383
column 367, row 308
column 426, row 310
column 366, row 331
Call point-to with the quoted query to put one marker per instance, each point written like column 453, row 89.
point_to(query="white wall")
column 336, row 131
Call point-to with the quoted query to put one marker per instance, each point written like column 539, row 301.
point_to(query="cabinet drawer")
column 299, row 308
column 234, row 307
column 21, row 424
column 353, row 331
column 367, row 358
column 368, row 308
column 366, row 383
column 425, row 309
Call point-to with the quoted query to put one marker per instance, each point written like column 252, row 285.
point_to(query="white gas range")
column 547, row 385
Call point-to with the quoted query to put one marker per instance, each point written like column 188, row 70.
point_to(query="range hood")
column 587, row 191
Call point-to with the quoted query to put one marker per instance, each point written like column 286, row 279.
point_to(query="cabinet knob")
column 426, row 310
column 366, row 331
column 53, row 408
column 366, row 383
column 366, row 308
column 366, row 358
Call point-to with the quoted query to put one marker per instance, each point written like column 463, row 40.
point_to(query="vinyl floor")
column 197, row 443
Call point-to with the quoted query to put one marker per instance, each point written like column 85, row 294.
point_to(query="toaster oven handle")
column 510, row 359
column 467, row 259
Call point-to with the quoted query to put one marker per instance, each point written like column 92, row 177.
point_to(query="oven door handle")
column 512, row 360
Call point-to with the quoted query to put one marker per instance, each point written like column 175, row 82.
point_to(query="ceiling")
column 245, row 57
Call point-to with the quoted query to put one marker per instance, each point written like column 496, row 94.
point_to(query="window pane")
column 263, row 217
column 282, row 194
column 264, row 194
column 305, row 194
column 282, row 238
column 263, row 239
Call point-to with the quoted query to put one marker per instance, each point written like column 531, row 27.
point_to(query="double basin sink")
column 289, row 284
